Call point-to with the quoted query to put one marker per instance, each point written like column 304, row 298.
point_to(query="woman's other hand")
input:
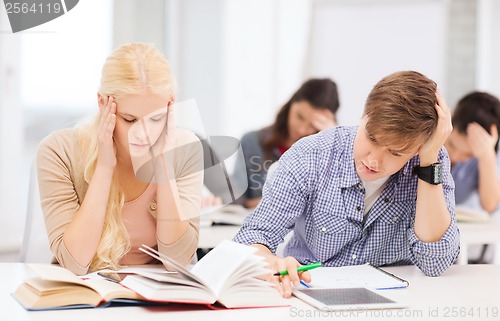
column 106, row 147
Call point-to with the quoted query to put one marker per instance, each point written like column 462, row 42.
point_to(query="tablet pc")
column 345, row 299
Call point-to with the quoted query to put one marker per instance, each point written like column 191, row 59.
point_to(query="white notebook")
column 350, row 288
column 364, row 275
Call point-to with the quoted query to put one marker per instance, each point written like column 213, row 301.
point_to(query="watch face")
column 438, row 173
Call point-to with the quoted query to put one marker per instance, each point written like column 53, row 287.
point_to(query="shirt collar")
column 348, row 176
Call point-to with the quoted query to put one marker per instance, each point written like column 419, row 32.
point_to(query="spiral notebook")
column 365, row 275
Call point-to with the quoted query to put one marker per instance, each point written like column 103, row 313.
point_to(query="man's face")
column 374, row 161
column 458, row 147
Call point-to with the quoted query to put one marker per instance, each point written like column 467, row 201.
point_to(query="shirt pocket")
column 327, row 234
column 392, row 230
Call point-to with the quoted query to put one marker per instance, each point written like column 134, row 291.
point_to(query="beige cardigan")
column 62, row 190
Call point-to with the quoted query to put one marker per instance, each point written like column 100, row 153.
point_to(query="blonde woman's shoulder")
column 185, row 136
column 59, row 139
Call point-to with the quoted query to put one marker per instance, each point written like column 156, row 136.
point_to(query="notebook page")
column 354, row 276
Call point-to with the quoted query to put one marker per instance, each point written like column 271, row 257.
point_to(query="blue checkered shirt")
column 316, row 192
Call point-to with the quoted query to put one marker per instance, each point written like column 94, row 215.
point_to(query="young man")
column 380, row 193
column 473, row 146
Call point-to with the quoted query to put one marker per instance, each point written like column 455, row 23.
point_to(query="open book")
column 225, row 275
column 469, row 214
column 58, row 288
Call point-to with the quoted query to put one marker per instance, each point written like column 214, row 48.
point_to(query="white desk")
column 479, row 233
column 211, row 236
column 464, row 292
column 470, row 233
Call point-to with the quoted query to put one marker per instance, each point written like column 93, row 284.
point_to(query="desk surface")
column 470, row 233
column 464, row 292
column 479, row 233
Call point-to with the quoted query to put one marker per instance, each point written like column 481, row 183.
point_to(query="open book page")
column 172, row 264
column 110, row 290
column 363, row 275
column 217, row 267
column 136, row 269
column 55, row 273
column 222, row 267
column 168, row 290
column 470, row 214
column 36, row 293
column 106, row 290
column 226, row 274
column 55, row 287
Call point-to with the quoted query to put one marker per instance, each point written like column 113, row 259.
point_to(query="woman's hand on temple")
column 106, row 147
column 324, row 120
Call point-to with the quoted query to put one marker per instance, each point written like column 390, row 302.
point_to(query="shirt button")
column 386, row 200
column 152, row 206
column 354, row 256
column 394, row 218
column 323, row 229
column 358, row 208
column 360, row 185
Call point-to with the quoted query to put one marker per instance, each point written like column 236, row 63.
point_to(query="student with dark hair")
column 311, row 108
column 473, row 146
column 380, row 193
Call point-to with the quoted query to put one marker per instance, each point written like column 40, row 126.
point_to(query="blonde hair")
column 133, row 68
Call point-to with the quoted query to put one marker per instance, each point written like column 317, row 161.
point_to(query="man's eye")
column 372, row 138
column 396, row 154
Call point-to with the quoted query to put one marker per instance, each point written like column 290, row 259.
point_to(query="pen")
column 300, row 269
column 305, row 284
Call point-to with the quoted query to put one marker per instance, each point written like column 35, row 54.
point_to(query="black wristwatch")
column 432, row 174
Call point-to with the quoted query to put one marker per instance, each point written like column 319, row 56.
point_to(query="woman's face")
column 305, row 120
column 140, row 120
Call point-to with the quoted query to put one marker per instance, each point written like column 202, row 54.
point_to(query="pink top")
column 141, row 227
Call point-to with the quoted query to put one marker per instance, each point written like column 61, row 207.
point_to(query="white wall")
column 12, row 204
column 356, row 43
column 265, row 44
column 488, row 46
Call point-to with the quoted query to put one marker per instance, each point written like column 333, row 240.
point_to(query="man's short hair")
column 400, row 110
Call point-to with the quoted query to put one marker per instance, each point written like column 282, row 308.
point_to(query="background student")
column 350, row 195
column 312, row 108
column 108, row 186
column 473, row 146
column 473, row 150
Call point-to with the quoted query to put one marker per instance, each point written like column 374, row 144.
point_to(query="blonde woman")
column 127, row 178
